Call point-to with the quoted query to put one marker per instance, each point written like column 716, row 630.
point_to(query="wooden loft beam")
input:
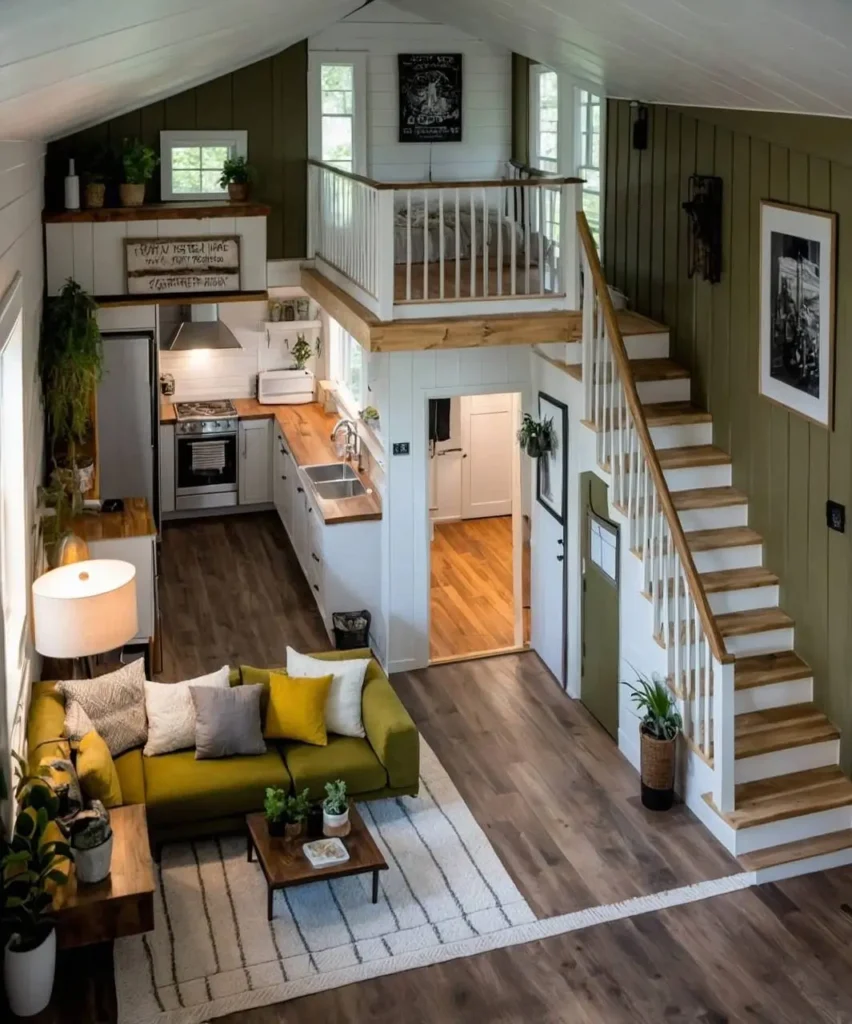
column 350, row 314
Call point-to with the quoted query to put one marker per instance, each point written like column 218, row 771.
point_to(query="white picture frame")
column 798, row 250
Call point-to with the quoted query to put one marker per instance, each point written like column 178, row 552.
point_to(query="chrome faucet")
column 353, row 441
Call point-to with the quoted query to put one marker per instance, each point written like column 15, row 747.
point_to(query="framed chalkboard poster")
column 430, row 97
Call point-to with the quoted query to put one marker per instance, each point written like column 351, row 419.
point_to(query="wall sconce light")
column 640, row 125
column 704, row 209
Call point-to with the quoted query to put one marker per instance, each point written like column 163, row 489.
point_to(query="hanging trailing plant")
column 537, row 438
column 302, row 351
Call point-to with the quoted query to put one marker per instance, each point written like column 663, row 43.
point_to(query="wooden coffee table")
column 285, row 865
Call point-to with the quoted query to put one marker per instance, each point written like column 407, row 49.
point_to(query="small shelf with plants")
column 284, row 326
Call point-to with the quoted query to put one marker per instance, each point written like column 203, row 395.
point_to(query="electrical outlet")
column 835, row 516
column 402, row 447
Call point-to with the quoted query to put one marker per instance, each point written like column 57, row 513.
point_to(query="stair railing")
column 701, row 671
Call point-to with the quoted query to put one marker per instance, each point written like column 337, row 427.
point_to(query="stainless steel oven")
column 206, row 463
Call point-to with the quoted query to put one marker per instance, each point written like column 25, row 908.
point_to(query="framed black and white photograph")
column 797, row 297
column 430, row 97
column 552, row 467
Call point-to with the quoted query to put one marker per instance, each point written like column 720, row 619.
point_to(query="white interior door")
column 445, row 474
column 487, row 428
column 547, row 556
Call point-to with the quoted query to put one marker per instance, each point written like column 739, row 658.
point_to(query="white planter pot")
column 29, row 977
column 93, row 865
column 335, row 824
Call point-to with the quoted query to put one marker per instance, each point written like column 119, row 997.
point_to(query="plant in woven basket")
column 653, row 699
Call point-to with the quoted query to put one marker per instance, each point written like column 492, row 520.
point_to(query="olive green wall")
column 521, row 108
column 787, row 466
column 267, row 99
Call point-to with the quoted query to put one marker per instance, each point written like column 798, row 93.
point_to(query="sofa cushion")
column 345, row 757
column 97, row 771
column 179, row 788
column 46, row 725
column 130, row 776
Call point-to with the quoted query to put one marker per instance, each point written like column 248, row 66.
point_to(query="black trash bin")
column 351, row 629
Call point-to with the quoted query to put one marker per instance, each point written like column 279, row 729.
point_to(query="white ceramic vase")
column 335, row 824
column 29, row 976
column 93, row 865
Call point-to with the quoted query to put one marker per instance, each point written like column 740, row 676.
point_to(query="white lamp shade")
column 85, row 608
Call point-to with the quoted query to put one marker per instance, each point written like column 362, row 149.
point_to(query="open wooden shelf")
column 157, row 211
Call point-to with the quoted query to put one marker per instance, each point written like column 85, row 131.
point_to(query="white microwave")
column 285, row 387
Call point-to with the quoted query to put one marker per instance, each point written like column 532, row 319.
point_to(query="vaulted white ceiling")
column 68, row 63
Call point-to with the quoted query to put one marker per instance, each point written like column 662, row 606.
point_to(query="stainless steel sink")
column 330, row 472
column 336, row 489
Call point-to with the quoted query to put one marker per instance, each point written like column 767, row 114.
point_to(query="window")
column 338, row 110
column 347, row 365
column 544, row 120
column 14, row 596
column 192, row 161
column 589, row 157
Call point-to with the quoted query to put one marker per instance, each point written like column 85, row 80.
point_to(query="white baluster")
column 723, row 736
column 513, row 270
column 408, row 245
column 527, row 245
column 485, row 267
column 457, row 233
column 425, row 243
column 472, row 245
column 441, row 239
column 539, row 199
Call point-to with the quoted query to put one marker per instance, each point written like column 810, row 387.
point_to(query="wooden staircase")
column 791, row 800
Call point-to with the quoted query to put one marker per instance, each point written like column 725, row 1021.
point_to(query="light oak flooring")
column 561, row 808
column 471, row 594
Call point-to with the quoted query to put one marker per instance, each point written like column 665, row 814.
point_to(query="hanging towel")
column 208, row 456
column 439, row 419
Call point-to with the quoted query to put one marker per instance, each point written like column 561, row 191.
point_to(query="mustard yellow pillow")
column 296, row 709
column 97, row 772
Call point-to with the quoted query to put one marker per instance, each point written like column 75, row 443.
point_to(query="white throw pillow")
column 343, row 708
column 171, row 712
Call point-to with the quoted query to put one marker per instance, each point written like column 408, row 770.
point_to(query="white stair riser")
column 682, row 435
column 714, row 518
column 746, row 556
column 787, row 761
column 647, row 346
column 694, row 477
column 774, row 695
column 790, row 830
column 806, row 866
column 760, row 643
column 652, row 391
column 747, row 600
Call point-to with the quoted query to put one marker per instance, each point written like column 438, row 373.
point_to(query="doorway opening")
column 476, row 510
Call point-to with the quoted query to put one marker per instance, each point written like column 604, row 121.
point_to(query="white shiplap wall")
column 384, row 31
column 21, row 252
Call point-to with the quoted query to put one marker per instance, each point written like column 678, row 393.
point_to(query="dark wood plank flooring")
column 559, row 805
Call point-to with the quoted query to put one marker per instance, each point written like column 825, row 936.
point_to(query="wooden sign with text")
column 168, row 266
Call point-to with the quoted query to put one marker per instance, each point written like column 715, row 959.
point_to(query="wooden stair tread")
column 738, row 579
column 644, row 370
column 802, row 849
column 692, row 455
column 726, row 537
column 765, row 669
column 797, row 725
column 786, row 796
column 758, row 620
column 634, row 323
column 669, row 414
column 574, row 370
column 707, row 497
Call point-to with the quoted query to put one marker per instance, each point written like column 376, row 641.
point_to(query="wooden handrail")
column 404, row 186
column 696, row 590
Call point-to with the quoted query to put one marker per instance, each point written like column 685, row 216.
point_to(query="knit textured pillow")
column 114, row 703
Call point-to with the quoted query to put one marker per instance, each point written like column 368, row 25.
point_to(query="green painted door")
column 599, row 686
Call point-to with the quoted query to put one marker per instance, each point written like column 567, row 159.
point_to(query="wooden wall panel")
column 788, row 466
column 268, row 99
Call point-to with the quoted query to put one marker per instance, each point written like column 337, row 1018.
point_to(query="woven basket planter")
column 658, row 771
column 131, row 195
column 95, row 192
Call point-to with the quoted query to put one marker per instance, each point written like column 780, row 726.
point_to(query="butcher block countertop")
column 135, row 521
column 307, row 430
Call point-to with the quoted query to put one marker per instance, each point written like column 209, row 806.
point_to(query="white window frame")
column 358, row 61
column 535, row 119
column 14, row 586
column 340, row 350
column 237, row 139
column 580, row 156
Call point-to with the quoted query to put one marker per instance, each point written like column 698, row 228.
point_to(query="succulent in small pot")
column 285, row 814
column 658, row 730
column 371, row 415
column 139, row 163
column 335, row 809
column 236, row 175
column 90, row 836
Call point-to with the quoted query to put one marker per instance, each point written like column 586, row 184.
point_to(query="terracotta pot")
column 238, row 191
column 95, row 192
column 336, row 824
column 658, row 771
column 131, row 195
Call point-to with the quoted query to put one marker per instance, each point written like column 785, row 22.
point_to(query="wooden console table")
column 123, row 903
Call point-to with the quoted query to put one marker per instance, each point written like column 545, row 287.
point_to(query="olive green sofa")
column 186, row 798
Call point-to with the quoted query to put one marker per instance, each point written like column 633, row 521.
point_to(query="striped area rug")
column 213, row 952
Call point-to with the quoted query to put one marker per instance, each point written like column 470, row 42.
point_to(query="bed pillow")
column 227, row 722
column 171, row 712
column 114, row 704
column 343, row 709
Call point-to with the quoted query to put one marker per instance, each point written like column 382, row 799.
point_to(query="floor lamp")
column 84, row 609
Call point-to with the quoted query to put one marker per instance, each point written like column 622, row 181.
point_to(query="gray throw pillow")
column 114, row 704
column 227, row 721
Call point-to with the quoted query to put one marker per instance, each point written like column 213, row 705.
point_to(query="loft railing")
column 446, row 247
column 701, row 671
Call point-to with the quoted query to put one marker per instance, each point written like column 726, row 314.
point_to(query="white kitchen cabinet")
column 285, row 476
column 167, row 467
column 255, row 472
column 344, row 565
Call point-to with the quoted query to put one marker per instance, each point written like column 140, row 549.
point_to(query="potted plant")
column 537, row 438
column 335, row 809
column 236, row 174
column 139, row 163
column 90, row 837
column 661, row 722
column 31, row 863
column 371, row 415
column 302, row 351
column 285, row 814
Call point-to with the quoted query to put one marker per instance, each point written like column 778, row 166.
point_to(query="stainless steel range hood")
column 195, row 326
